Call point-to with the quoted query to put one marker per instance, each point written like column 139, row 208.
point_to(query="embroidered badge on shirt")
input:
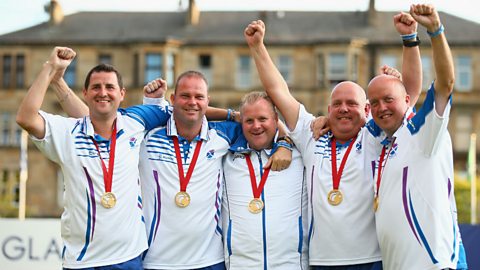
column 210, row 154
column 133, row 142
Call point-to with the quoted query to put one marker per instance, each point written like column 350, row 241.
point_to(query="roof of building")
column 283, row 28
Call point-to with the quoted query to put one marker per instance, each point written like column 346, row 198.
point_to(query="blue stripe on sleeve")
column 418, row 120
column 230, row 131
column 150, row 116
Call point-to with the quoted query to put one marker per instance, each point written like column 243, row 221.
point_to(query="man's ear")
column 367, row 109
column 172, row 97
column 122, row 93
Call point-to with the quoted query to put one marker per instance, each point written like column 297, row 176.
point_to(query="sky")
column 20, row 14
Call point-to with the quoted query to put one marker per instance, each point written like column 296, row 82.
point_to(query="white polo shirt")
column 416, row 217
column 93, row 235
column 190, row 237
column 276, row 238
column 343, row 234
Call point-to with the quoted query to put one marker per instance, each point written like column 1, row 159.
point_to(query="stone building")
column 313, row 50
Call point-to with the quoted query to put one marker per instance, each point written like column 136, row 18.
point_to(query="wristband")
column 285, row 144
column 231, row 115
column 409, row 36
column 411, row 43
column 436, row 33
column 229, row 112
column 285, row 139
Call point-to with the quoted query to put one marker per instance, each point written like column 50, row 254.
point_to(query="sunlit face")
column 388, row 101
column 259, row 124
column 347, row 110
column 190, row 100
column 103, row 95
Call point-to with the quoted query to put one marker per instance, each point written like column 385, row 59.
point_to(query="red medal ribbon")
column 108, row 174
column 382, row 157
column 185, row 179
column 337, row 175
column 257, row 190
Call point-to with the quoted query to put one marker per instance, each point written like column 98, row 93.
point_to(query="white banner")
column 30, row 244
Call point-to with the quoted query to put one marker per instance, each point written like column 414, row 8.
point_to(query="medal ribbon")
column 382, row 157
column 257, row 190
column 337, row 175
column 185, row 179
column 108, row 174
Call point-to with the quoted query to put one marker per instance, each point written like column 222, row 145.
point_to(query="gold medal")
column 375, row 203
column 108, row 200
column 255, row 206
column 335, row 197
column 182, row 199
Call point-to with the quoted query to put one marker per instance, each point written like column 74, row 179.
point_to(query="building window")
column 10, row 132
column 170, row 69
column 9, row 190
column 463, row 74
column 17, row 131
column 389, row 60
column 285, row 66
column 205, row 66
column 70, row 74
column 463, row 129
column 427, row 72
column 7, row 71
column 244, row 73
column 153, row 67
column 20, row 71
column 5, row 140
column 105, row 58
column 337, row 68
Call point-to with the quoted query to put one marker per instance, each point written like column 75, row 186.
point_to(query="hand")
column 155, row 88
column 427, row 16
column 404, row 23
column 319, row 127
column 254, row 33
column 280, row 160
column 391, row 71
column 60, row 59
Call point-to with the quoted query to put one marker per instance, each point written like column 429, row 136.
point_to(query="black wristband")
column 286, row 139
column 411, row 43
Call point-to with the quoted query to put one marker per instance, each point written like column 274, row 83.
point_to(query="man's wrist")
column 410, row 40
column 436, row 32
column 286, row 139
column 231, row 113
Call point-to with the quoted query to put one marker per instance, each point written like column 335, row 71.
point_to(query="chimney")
column 372, row 14
column 55, row 11
column 193, row 16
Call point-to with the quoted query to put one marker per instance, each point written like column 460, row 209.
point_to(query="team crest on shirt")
column 358, row 147
column 132, row 142
column 393, row 152
column 210, row 154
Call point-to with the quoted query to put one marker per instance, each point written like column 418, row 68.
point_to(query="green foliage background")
column 462, row 197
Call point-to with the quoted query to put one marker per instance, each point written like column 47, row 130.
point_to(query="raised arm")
column 406, row 26
column 28, row 117
column 272, row 80
column 427, row 16
column 71, row 104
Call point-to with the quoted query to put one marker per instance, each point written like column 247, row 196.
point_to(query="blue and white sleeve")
column 150, row 116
